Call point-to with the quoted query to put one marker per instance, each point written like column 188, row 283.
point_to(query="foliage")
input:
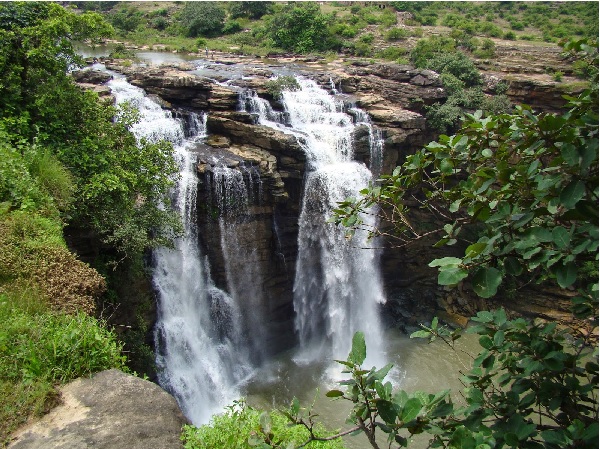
column 252, row 10
column 35, row 254
column 202, row 19
column 242, row 426
column 39, row 349
column 126, row 19
column 528, row 183
column 302, row 28
column 231, row 26
column 276, row 86
column 522, row 190
column 523, row 370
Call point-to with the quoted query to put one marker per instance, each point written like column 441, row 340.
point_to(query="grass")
column 41, row 349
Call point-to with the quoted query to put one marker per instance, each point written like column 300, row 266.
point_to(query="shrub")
column 243, row 427
column 231, row 27
column 396, row 34
column 202, row 19
column 277, row 86
column 510, row 36
column 367, row 38
column 397, row 54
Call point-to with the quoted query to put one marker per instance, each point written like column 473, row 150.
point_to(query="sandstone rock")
column 91, row 76
column 111, row 410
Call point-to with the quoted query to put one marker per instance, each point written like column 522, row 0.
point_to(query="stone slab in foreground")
column 111, row 410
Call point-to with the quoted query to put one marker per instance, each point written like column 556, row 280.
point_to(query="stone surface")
column 111, row 410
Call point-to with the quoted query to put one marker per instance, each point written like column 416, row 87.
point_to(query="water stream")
column 337, row 286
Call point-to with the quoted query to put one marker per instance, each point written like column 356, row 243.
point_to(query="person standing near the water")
column 206, row 52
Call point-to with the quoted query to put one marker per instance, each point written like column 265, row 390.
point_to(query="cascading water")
column 235, row 190
column 337, row 286
column 197, row 333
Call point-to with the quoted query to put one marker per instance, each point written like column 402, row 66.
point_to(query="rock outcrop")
column 111, row 410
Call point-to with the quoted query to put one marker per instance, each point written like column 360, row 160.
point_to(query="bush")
column 397, row 54
column 396, row 34
column 302, row 28
column 457, row 64
column 243, row 427
column 277, row 86
column 428, row 47
column 510, row 36
column 367, row 38
column 231, row 27
column 202, row 19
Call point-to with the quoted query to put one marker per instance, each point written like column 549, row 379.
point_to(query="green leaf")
column 445, row 261
column 295, row 407
column 420, row 334
column 498, row 338
column 561, row 237
column 446, row 166
column 388, row 411
column 265, row 422
column 486, row 281
column 572, row 193
column 513, row 266
column 334, row 394
column 484, row 317
column 475, row 249
column 566, row 274
column 451, row 276
column 487, row 153
column 358, row 353
column 411, row 409
column 555, row 437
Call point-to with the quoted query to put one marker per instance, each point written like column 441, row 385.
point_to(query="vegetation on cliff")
column 64, row 161
column 519, row 192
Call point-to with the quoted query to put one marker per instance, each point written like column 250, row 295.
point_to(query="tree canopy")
column 118, row 182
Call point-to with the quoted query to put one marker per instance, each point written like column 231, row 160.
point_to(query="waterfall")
column 197, row 332
column 337, row 287
column 236, row 189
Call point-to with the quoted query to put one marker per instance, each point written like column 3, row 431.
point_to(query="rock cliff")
column 393, row 95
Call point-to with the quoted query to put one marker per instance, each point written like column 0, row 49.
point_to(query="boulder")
column 111, row 410
column 91, row 76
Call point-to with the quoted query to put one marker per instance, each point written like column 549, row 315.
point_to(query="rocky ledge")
column 111, row 410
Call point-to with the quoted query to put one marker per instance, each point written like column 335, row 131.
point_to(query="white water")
column 337, row 286
column 197, row 332
column 234, row 193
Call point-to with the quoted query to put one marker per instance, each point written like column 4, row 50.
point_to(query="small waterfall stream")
column 197, row 334
column 337, row 286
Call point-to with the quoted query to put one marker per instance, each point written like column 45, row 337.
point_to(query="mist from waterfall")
column 198, row 341
column 337, row 285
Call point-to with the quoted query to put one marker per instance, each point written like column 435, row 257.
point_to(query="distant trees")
column 252, row 10
column 301, row 27
column 203, row 19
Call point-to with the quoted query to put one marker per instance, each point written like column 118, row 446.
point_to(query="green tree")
column 252, row 10
column 302, row 28
column 202, row 19
column 521, row 192
column 119, row 183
